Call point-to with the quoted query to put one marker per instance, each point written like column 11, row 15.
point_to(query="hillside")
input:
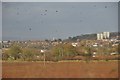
column 90, row 36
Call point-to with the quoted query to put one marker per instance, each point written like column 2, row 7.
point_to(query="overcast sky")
column 38, row 20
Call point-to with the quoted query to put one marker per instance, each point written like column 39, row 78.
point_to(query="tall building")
column 98, row 36
column 103, row 35
column 108, row 35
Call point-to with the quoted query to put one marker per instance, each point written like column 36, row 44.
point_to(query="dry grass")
column 96, row 69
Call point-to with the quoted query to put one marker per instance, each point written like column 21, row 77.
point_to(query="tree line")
column 55, row 53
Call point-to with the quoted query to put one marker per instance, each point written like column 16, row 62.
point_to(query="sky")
column 48, row 20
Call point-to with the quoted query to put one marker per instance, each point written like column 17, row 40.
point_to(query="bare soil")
column 97, row 69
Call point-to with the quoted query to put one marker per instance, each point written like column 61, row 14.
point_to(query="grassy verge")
column 65, row 61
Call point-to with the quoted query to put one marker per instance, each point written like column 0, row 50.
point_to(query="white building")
column 108, row 35
column 74, row 44
column 98, row 36
column 103, row 35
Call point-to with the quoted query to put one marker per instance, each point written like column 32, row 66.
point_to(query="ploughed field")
column 93, row 69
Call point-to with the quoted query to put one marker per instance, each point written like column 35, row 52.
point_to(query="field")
column 68, row 69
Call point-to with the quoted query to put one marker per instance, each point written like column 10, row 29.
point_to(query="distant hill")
column 90, row 36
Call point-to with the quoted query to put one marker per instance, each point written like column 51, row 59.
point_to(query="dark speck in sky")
column 80, row 20
column 94, row 5
column 17, row 8
column 30, row 29
column 17, row 13
column 105, row 6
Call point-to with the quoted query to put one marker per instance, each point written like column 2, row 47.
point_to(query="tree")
column 57, row 52
column 69, row 50
column 5, row 56
column 64, row 51
column 15, row 50
column 28, row 54
column 59, row 40
column 46, row 40
column 88, row 54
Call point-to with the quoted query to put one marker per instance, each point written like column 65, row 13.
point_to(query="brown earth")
column 100, row 69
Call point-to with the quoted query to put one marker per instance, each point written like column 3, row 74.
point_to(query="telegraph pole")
column 44, row 59
column 44, row 54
